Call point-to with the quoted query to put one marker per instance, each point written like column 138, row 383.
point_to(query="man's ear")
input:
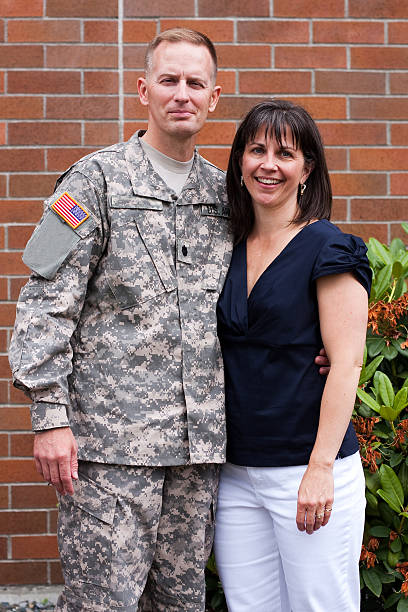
column 142, row 90
column 215, row 96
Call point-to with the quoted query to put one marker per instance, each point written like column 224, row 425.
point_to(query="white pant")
column 266, row 564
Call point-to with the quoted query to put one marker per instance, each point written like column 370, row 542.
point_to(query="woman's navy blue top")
column 269, row 342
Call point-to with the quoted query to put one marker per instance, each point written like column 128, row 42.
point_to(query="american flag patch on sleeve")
column 69, row 210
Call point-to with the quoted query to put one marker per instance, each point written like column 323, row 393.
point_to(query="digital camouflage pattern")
column 115, row 332
column 114, row 533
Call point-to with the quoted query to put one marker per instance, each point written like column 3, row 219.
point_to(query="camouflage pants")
column 137, row 538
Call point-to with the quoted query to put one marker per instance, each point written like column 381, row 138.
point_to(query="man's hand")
column 323, row 361
column 55, row 455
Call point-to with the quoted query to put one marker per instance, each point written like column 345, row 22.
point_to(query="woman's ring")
column 319, row 516
column 328, row 509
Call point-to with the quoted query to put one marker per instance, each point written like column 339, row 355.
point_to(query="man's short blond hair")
column 175, row 35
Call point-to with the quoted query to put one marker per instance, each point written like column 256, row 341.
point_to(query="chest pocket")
column 139, row 264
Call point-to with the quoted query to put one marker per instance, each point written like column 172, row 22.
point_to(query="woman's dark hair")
column 277, row 117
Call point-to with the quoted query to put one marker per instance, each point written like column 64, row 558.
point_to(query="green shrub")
column 381, row 422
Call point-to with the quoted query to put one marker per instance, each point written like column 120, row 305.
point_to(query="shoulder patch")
column 69, row 210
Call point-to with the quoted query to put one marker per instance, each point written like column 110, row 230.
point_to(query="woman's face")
column 272, row 172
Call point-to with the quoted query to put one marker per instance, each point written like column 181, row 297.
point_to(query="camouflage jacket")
column 115, row 332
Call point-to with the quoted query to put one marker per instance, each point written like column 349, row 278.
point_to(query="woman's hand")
column 315, row 498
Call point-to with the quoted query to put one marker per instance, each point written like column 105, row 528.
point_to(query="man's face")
column 179, row 89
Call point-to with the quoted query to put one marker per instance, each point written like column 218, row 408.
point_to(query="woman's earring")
column 302, row 188
column 242, row 181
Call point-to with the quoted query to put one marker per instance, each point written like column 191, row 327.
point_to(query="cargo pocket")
column 85, row 534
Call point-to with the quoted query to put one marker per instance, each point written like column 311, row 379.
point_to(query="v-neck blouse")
column 269, row 341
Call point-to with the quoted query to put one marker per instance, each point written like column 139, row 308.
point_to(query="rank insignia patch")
column 69, row 210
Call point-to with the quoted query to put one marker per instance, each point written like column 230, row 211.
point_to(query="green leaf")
column 391, row 485
column 368, row 372
column 391, row 600
column 372, row 581
column 397, row 269
column 400, row 401
column 389, row 352
column 396, row 247
column 380, row 531
column 368, row 400
column 388, row 413
column 390, row 500
column 383, row 281
column 372, row 481
column 405, row 227
column 375, row 345
column 385, row 389
column 380, row 251
column 395, row 459
column 396, row 545
column 402, row 605
column 401, row 286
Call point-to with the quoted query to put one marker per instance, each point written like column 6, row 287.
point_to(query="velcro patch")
column 69, row 210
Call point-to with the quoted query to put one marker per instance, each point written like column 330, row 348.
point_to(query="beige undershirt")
column 173, row 172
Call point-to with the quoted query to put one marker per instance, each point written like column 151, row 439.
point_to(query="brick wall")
column 66, row 89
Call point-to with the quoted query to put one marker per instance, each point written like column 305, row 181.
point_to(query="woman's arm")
column 343, row 324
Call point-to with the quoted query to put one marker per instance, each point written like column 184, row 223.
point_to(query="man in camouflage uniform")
column 115, row 342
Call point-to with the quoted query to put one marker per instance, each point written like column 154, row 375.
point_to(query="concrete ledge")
column 15, row 594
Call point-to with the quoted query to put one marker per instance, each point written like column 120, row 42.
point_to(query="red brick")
column 305, row 8
column 2, row 75
column 133, row 109
column 366, row 230
column 399, row 183
column 56, row 573
column 216, row 133
column 82, row 107
column 379, row 159
column 310, row 57
column 3, row 185
column 238, row 8
column 399, row 134
column 378, row 9
column 378, row 108
column 4, row 497
column 17, row 396
column 218, row 157
column 22, row 522
column 336, row 159
column 398, row 232
column 24, row 160
column 274, row 81
column 376, row 209
column 140, row 31
column 60, row 159
column 21, row 8
column 3, row 339
column 130, row 81
column 22, row 445
column 339, row 210
column 273, row 31
column 101, row 82
column 22, row 56
column 16, row 418
column 133, row 56
column 34, row 547
column 339, row 81
column 32, row 186
column 28, row 107
column 131, row 127
column 2, row 133
column 379, row 58
column 3, row 296
column 44, row 81
column 164, row 8
column 4, row 445
column 5, row 371
column 7, row 314
column 10, row 263
column 4, row 383
column 360, row 32
column 33, row 496
column 44, row 132
column 23, row 573
column 79, row 8
column 217, row 30
column 398, row 33
column 83, row 56
column 353, row 133
column 226, row 78
column 19, row 470
column 20, row 212
column 3, row 548
column 2, row 239
column 43, row 30
column 101, row 133
column 100, row 31
column 352, row 184
column 243, row 56
column 399, row 82
column 52, row 521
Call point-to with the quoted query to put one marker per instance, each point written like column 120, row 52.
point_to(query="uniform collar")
column 198, row 188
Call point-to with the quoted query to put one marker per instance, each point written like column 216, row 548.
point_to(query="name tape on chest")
column 69, row 210
column 214, row 210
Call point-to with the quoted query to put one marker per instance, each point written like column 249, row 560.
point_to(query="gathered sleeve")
column 344, row 253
